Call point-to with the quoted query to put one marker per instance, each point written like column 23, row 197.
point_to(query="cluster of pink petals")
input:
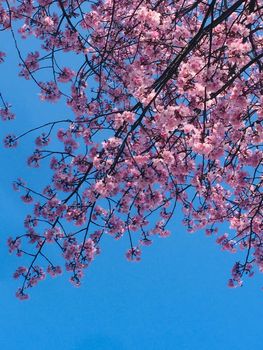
column 167, row 111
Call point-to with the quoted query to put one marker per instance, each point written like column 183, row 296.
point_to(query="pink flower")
column 134, row 254
column 146, row 242
column 42, row 140
column 10, row 141
column 27, row 198
column 66, row 75
column 34, row 160
column 20, row 271
column 49, row 92
column 6, row 114
column 54, row 271
column 19, row 183
column 14, row 245
column 20, row 294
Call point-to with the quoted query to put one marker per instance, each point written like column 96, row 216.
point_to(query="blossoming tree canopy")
column 165, row 99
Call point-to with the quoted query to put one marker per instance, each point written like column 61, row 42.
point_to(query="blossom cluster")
column 167, row 104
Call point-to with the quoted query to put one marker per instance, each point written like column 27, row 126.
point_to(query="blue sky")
column 175, row 298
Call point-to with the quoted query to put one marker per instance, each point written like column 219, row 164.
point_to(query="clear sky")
column 175, row 298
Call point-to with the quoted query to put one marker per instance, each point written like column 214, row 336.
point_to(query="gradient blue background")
column 175, row 298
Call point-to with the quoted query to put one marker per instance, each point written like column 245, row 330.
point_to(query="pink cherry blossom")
column 161, row 107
